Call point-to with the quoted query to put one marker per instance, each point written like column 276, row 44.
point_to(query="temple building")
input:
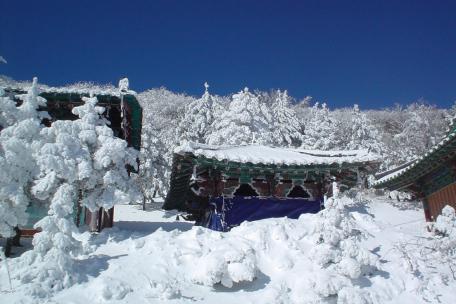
column 222, row 186
column 430, row 178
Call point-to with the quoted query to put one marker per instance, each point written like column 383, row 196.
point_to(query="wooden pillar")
column 427, row 210
column 420, row 193
column 271, row 184
column 218, row 184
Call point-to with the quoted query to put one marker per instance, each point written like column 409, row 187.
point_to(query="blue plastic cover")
column 229, row 212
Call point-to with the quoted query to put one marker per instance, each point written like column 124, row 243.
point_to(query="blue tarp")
column 226, row 213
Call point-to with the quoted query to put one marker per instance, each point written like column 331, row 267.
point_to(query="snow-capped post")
column 123, row 89
column 124, row 85
column 335, row 189
column 206, row 87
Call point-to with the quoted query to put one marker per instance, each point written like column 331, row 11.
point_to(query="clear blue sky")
column 374, row 53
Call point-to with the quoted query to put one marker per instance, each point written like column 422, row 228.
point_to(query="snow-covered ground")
column 150, row 257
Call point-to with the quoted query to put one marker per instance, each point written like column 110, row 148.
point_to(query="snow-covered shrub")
column 445, row 225
column 445, row 245
column 115, row 289
column 432, row 260
column 337, row 252
column 227, row 262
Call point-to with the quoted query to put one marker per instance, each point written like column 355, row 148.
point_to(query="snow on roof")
column 392, row 175
column 416, row 162
column 258, row 154
column 76, row 88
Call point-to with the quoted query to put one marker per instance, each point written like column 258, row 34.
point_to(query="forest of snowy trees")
column 275, row 118
column 272, row 118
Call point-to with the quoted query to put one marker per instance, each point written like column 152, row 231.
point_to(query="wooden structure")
column 202, row 174
column 124, row 113
column 431, row 178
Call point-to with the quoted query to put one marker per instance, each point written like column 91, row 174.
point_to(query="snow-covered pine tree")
column 286, row 127
column 197, row 119
column 337, row 252
column 320, row 130
column 246, row 121
column 363, row 134
column 105, row 179
column 18, row 143
column 79, row 160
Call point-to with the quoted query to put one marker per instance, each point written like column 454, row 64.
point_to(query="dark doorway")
column 245, row 190
column 298, row 192
column 113, row 115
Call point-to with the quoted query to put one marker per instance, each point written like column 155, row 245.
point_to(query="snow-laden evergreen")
column 9, row 113
column 18, row 145
column 49, row 267
column 320, row 130
column 79, row 161
column 286, row 129
column 246, row 121
column 363, row 133
column 105, row 179
column 85, row 153
column 198, row 117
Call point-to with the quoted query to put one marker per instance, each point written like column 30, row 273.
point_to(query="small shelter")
column 431, row 177
column 222, row 186
column 124, row 113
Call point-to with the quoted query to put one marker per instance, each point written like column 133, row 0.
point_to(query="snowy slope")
column 149, row 257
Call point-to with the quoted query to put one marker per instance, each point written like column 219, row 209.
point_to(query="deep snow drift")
column 357, row 251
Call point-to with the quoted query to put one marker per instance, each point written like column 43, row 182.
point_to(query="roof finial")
column 124, row 85
column 206, row 87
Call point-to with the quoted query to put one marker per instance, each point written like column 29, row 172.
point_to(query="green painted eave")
column 434, row 160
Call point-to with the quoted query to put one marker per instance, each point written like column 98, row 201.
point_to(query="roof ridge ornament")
column 124, row 85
